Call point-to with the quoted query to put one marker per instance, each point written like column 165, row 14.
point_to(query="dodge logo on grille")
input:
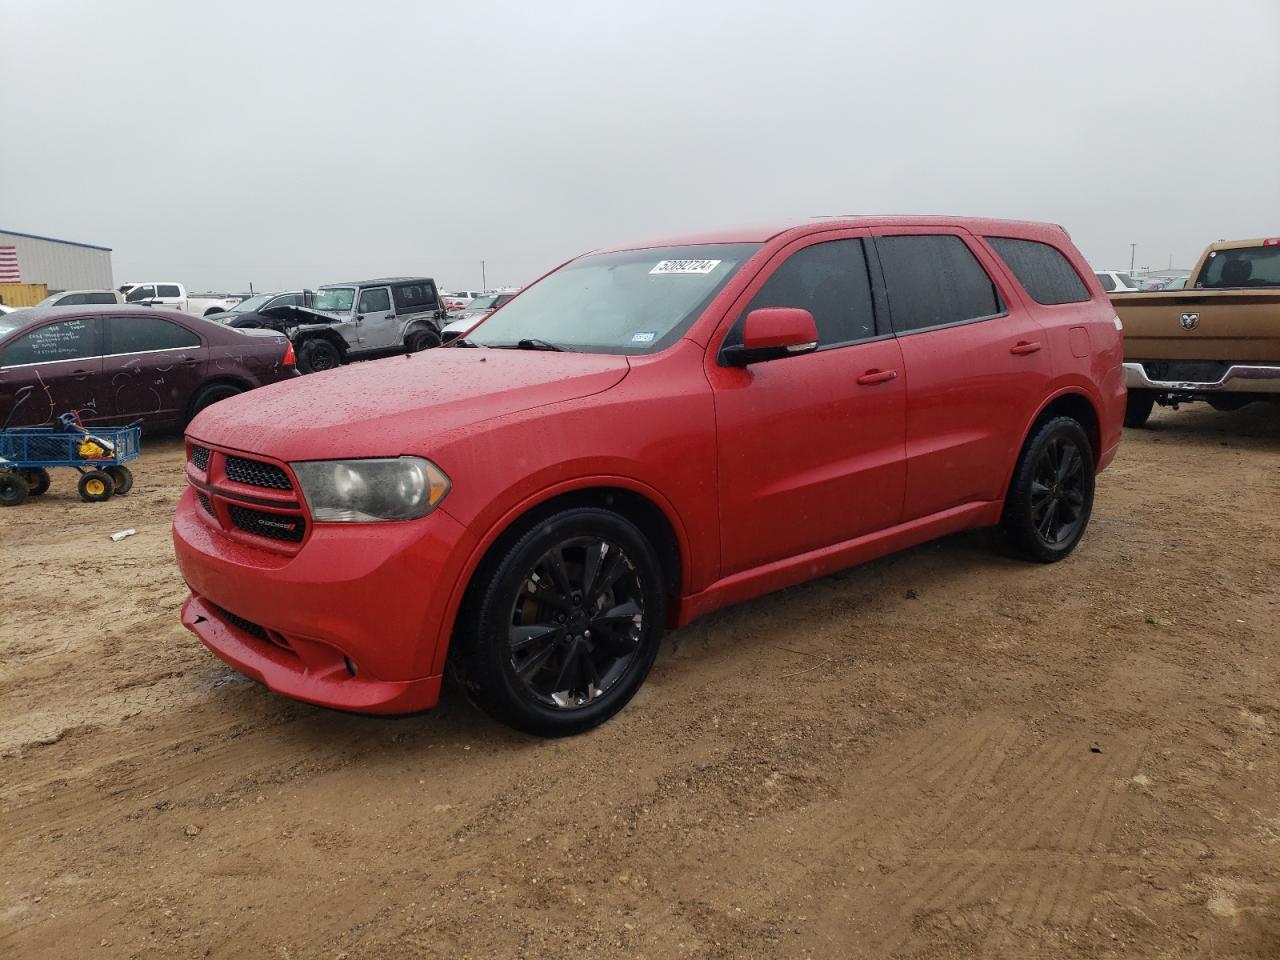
column 1189, row 320
column 278, row 525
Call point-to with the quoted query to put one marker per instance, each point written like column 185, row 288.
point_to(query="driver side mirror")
column 772, row 333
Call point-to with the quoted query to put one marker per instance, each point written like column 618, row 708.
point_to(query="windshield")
column 1246, row 267
column 335, row 299
column 253, row 303
column 483, row 303
column 631, row 302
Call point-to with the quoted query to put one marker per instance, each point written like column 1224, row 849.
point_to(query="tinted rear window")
column 414, row 296
column 933, row 281
column 1042, row 270
column 1247, row 267
column 137, row 334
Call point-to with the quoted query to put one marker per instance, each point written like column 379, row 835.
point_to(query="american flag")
column 9, row 265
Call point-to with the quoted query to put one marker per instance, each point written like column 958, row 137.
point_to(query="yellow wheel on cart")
column 96, row 486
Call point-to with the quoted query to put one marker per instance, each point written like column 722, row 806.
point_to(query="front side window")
column 414, row 296
column 68, row 340
column 167, row 290
column 1042, row 270
column 286, row 300
column 1245, row 267
column 371, row 301
column 626, row 302
column 139, row 334
column 335, row 300
column 935, row 280
column 829, row 280
column 140, row 293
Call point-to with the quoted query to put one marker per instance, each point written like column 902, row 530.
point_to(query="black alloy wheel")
column 1051, row 497
column 562, row 622
column 576, row 622
column 318, row 355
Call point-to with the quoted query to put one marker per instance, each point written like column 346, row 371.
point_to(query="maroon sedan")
column 126, row 363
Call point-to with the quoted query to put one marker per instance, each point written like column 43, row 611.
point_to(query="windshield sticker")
column 685, row 266
column 646, row 337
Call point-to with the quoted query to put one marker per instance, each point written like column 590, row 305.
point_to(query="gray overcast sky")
column 294, row 144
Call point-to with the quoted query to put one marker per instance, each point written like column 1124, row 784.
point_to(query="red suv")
column 645, row 435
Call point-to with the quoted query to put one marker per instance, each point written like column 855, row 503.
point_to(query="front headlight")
column 360, row 491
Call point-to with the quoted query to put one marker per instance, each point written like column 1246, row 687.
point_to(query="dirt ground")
column 947, row 753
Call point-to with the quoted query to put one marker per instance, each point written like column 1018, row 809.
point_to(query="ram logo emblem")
column 1189, row 321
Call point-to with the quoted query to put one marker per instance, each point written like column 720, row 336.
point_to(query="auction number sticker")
column 685, row 266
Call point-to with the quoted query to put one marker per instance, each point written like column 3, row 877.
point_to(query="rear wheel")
column 318, row 355
column 208, row 396
column 37, row 480
column 1138, row 407
column 559, row 632
column 419, row 340
column 122, row 477
column 96, row 486
column 13, row 488
column 1051, row 496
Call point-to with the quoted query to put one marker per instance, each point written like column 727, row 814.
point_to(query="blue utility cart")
column 99, row 454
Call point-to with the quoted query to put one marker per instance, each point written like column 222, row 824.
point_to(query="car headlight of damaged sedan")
column 362, row 491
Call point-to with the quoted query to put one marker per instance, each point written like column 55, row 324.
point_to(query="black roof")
column 377, row 282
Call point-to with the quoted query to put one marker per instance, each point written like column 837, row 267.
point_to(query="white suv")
column 1113, row 281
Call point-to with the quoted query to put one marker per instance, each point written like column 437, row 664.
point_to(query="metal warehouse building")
column 60, row 264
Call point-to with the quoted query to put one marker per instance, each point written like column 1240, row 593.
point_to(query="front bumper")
column 1238, row 378
column 353, row 620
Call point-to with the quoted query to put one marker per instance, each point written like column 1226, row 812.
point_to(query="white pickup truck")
column 164, row 294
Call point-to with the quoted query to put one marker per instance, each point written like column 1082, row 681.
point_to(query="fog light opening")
column 351, row 665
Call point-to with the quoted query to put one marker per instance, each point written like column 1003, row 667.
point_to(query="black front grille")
column 200, row 457
column 205, row 501
column 257, row 474
column 277, row 526
column 241, row 624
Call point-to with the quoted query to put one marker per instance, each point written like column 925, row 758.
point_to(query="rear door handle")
column 1024, row 347
column 877, row 376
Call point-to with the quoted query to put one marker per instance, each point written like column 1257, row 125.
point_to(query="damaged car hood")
column 403, row 404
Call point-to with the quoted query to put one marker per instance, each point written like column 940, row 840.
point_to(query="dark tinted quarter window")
column 68, row 340
column 1108, row 284
column 374, row 300
column 136, row 334
column 1042, row 270
column 414, row 296
column 167, row 290
column 830, row 281
column 140, row 293
column 935, row 280
column 99, row 298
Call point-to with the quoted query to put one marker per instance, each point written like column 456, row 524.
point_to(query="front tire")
column 13, row 488
column 318, row 355
column 1051, row 497
column 562, row 626
column 96, row 486
column 1137, row 408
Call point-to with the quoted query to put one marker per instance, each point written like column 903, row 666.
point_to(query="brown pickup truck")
column 1217, row 340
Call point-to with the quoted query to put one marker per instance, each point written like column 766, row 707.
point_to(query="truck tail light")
column 289, row 358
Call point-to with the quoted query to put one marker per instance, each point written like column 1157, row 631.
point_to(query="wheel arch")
column 643, row 506
column 301, row 338
column 1071, row 401
column 239, row 383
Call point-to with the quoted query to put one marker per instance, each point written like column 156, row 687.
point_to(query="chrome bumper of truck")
column 1240, row 378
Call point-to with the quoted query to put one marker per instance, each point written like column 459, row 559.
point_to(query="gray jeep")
column 355, row 321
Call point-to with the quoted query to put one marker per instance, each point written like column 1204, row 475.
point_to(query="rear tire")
column 96, row 486
column 1137, row 407
column 13, row 488
column 122, row 477
column 318, row 355
column 208, row 396
column 524, row 646
column 419, row 340
column 1051, row 497
column 37, row 480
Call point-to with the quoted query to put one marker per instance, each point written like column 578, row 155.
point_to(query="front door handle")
column 1024, row 347
column 80, row 374
column 877, row 376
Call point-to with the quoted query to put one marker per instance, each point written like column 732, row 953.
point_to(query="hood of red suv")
column 398, row 404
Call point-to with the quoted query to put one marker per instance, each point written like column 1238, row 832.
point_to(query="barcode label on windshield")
column 685, row 266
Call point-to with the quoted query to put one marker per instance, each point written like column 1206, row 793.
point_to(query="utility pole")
column 1132, row 247
column 484, row 284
